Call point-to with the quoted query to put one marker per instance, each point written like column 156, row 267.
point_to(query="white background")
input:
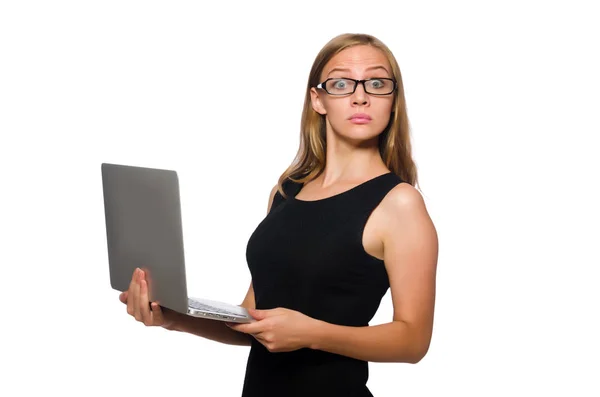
column 503, row 99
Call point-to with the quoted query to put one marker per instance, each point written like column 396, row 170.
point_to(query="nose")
column 360, row 97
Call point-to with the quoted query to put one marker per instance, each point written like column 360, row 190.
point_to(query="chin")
column 364, row 130
column 366, row 135
column 357, row 132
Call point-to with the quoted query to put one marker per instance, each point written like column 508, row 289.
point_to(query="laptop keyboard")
column 202, row 306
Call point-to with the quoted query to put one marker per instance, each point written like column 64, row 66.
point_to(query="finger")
column 234, row 326
column 123, row 297
column 249, row 328
column 144, row 303
column 135, row 294
column 260, row 337
column 261, row 314
column 271, row 346
column 157, row 314
column 130, row 295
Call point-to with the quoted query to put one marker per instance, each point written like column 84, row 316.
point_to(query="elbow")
column 412, row 358
column 414, row 345
column 416, row 358
column 416, row 353
column 419, row 353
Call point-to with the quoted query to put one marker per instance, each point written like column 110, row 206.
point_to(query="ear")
column 317, row 104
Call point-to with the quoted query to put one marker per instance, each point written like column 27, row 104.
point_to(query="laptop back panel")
column 144, row 229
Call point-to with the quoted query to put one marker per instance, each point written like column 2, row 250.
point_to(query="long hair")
column 394, row 141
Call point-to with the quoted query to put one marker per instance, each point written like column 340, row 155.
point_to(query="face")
column 359, row 115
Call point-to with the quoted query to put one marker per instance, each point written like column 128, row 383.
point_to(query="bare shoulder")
column 403, row 198
column 403, row 211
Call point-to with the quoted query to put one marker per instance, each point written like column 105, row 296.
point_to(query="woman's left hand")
column 279, row 330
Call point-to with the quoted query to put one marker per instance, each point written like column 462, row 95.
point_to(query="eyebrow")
column 347, row 70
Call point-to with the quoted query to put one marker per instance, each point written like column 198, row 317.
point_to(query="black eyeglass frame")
column 356, row 83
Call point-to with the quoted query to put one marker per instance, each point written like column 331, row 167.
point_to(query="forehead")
column 357, row 59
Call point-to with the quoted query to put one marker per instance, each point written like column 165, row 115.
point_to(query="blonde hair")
column 394, row 141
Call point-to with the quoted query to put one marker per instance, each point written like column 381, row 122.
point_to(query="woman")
column 344, row 224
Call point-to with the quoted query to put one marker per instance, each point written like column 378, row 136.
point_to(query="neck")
column 351, row 163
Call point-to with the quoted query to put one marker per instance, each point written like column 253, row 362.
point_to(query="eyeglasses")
column 376, row 86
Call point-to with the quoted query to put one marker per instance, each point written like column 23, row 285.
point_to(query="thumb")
column 258, row 314
column 123, row 297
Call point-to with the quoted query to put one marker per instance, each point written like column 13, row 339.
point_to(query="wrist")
column 314, row 334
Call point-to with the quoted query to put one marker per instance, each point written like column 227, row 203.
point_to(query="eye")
column 377, row 83
column 340, row 84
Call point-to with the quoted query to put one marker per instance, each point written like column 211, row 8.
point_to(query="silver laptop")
column 144, row 229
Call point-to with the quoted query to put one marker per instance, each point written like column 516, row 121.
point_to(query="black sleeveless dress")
column 308, row 256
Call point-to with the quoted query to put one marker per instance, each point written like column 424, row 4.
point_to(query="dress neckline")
column 345, row 192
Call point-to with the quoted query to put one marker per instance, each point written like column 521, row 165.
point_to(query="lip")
column 360, row 118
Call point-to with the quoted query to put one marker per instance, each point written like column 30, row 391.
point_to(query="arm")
column 410, row 256
column 212, row 329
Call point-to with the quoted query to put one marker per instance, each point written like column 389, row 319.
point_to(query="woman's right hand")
column 139, row 306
